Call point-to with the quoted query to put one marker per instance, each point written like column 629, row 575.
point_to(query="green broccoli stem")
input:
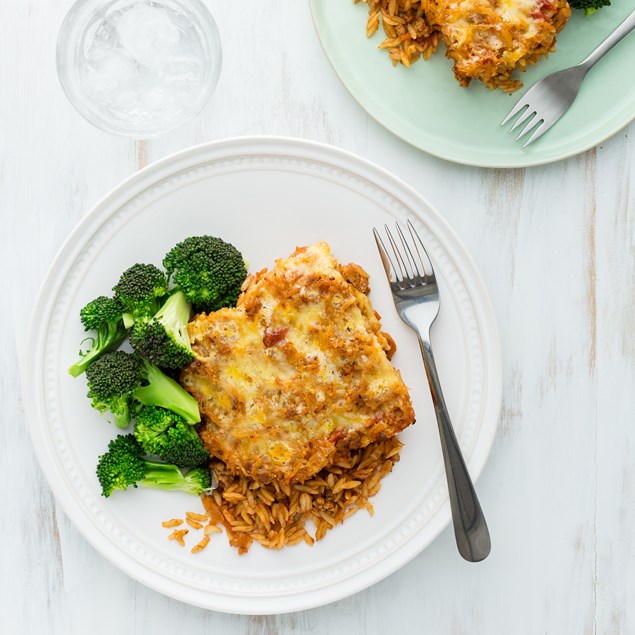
column 168, row 477
column 174, row 315
column 164, row 392
column 122, row 415
column 105, row 342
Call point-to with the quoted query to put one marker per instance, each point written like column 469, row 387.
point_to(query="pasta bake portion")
column 489, row 39
column 298, row 373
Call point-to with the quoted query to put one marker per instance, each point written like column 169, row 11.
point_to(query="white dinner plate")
column 265, row 195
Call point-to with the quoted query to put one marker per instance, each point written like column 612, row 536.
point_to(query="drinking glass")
column 139, row 67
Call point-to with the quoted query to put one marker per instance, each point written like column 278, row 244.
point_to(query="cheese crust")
column 297, row 373
column 489, row 39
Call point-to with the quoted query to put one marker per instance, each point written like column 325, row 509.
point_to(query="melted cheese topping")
column 488, row 39
column 521, row 13
column 297, row 372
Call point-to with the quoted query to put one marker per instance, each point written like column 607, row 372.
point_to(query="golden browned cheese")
column 489, row 39
column 297, row 373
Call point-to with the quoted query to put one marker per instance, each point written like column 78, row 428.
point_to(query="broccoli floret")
column 164, row 339
column 208, row 270
column 124, row 465
column 112, row 380
column 99, row 312
column 166, row 435
column 150, row 425
column 183, row 446
column 140, row 291
column 103, row 315
column 120, row 382
column 589, row 6
column 199, row 480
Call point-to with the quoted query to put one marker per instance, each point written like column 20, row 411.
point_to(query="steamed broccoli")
column 165, row 434
column 589, row 6
column 103, row 315
column 208, row 270
column 164, row 339
column 140, row 291
column 124, row 465
column 119, row 382
column 112, row 380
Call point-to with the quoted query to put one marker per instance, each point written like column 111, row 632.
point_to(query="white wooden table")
column 556, row 247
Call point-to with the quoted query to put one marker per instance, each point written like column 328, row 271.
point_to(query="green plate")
column 426, row 107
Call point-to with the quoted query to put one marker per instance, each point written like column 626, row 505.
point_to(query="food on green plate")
column 208, row 270
column 165, row 434
column 124, row 466
column 490, row 39
column 119, row 382
column 487, row 40
column 104, row 316
column 409, row 36
column 589, row 6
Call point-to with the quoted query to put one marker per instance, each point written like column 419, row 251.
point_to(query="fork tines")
column 404, row 269
column 529, row 116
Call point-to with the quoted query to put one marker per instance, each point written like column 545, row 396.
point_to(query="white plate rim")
column 68, row 253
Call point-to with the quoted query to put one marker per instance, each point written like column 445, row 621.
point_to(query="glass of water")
column 139, row 67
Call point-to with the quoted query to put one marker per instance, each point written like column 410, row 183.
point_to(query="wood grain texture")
column 556, row 247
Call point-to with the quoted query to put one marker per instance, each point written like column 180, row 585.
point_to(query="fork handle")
column 620, row 32
column 470, row 529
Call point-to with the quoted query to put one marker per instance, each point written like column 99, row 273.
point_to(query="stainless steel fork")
column 546, row 101
column 416, row 296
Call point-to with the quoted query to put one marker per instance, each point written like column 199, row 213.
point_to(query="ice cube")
column 108, row 71
column 148, row 34
column 126, row 98
column 183, row 71
column 157, row 99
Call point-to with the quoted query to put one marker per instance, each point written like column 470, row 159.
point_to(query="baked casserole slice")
column 489, row 39
column 297, row 373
